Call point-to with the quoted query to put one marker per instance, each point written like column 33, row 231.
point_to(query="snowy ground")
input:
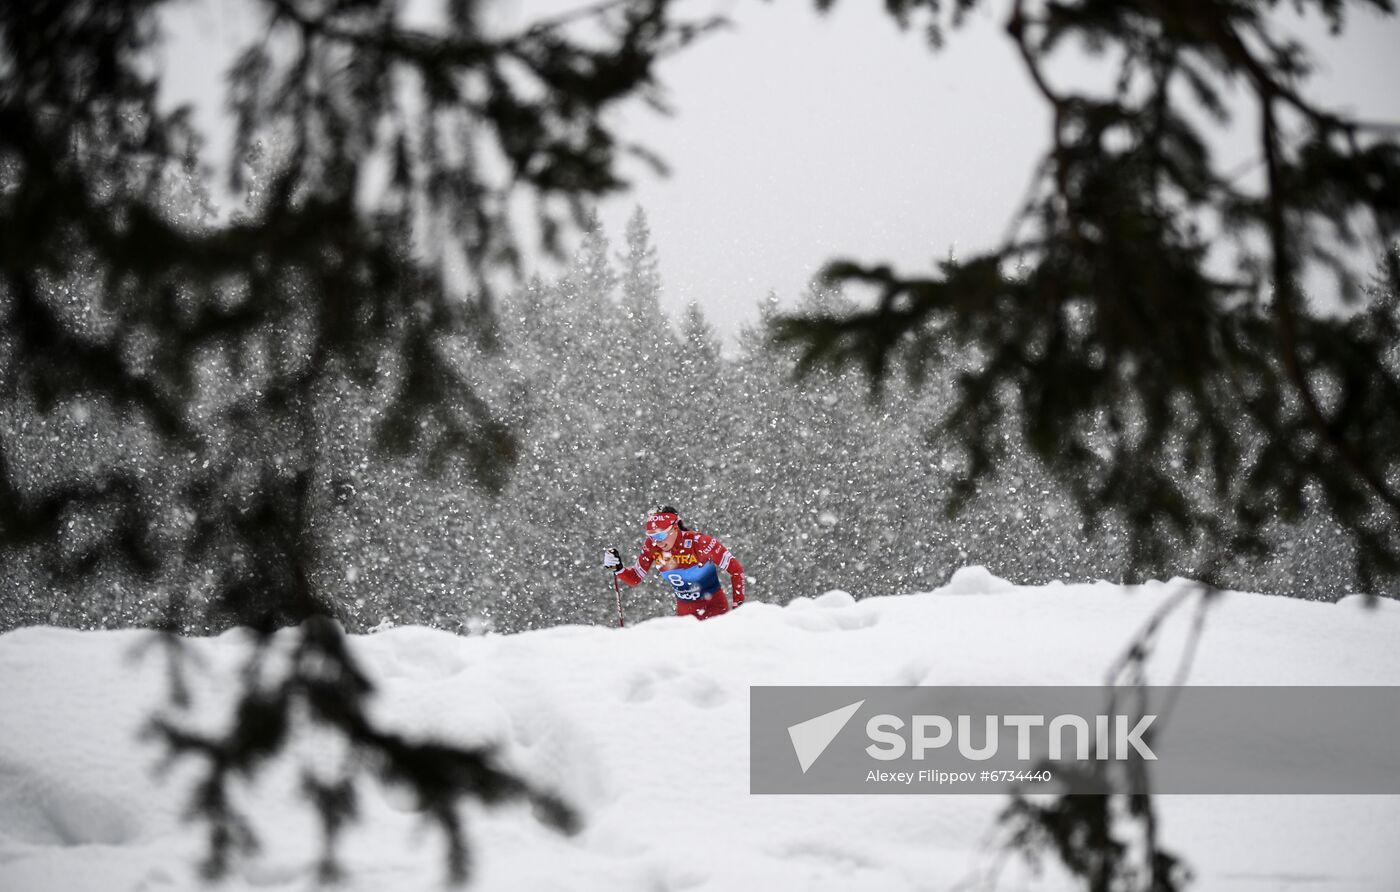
column 646, row 729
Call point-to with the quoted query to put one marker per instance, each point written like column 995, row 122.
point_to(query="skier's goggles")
column 659, row 535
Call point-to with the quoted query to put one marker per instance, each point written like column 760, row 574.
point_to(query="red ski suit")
column 692, row 568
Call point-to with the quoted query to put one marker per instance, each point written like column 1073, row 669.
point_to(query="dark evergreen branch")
column 222, row 349
column 1114, row 212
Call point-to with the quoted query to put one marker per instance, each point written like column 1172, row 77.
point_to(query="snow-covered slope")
column 646, row 730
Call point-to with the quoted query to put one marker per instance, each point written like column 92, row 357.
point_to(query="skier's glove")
column 612, row 560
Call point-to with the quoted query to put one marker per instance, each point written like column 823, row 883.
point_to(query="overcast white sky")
column 798, row 138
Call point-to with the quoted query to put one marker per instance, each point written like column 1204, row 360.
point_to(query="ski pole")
column 617, row 590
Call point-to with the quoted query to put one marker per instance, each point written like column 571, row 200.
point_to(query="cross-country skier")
column 688, row 560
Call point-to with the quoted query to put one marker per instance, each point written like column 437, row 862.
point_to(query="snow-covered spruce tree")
column 699, row 384
column 816, row 454
column 591, row 318
column 695, row 419
column 569, row 357
column 773, row 445
column 831, row 445
column 640, row 276
column 118, row 311
column 649, row 353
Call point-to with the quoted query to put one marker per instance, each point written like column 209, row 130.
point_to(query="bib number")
column 682, row 587
column 692, row 583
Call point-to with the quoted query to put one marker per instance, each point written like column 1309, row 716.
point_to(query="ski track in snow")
column 645, row 730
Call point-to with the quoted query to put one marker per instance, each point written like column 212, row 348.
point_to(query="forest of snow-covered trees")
column 618, row 407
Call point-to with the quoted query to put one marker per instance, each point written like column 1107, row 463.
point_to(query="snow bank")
column 975, row 580
column 645, row 729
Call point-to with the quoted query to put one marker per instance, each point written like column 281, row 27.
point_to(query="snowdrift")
column 645, row 731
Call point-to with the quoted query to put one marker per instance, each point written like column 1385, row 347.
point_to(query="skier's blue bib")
column 693, row 583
